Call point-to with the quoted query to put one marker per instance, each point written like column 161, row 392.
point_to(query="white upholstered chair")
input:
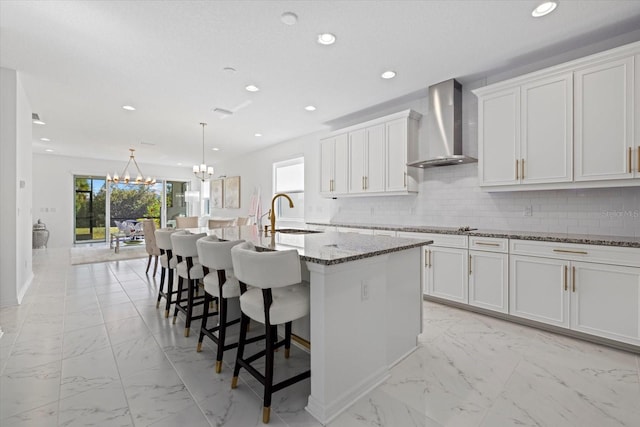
column 148, row 229
column 168, row 262
column 221, row 223
column 187, row 222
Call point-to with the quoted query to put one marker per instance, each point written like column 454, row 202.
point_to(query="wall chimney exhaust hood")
column 443, row 145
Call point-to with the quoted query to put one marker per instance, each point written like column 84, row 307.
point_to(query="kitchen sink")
column 296, row 231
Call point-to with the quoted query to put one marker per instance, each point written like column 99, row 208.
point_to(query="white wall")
column 15, row 189
column 53, row 192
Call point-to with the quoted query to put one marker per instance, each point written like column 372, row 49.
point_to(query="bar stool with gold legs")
column 190, row 270
column 277, row 297
column 168, row 263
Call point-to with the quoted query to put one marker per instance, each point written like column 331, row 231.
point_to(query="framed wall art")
column 232, row 192
column 217, row 193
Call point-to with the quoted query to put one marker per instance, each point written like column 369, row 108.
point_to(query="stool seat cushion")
column 164, row 264
column 230, row 288
column 196, row 272
column 289, row 303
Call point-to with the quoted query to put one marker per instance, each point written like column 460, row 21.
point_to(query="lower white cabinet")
column 577, row 293
column 446, row 273
column 489, row 280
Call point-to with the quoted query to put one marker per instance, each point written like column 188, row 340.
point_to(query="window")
column 288, row 177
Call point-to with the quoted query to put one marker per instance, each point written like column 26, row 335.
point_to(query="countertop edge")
column 364, row 256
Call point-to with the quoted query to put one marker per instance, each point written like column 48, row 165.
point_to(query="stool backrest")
column 187, row 222
column 216, row 254
column 243, row 220
column 184, row 243
column 163, row 237
column 269, row 269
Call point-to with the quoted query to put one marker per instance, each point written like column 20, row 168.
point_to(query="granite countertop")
column 327, row 248
column 584, row 239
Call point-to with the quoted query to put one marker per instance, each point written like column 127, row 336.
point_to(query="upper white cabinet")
column 569, row 126
column 604, row 121
column 334, row 155
column 366, row 159
column 526, row 133
column 370, row 158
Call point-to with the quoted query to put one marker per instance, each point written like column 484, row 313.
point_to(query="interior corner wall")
column 16, row 271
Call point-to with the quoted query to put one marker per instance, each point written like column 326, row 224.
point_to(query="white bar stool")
column 189, row 269
column 167, row 263
column 277, row 297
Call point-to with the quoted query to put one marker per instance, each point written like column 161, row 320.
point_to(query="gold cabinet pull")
column 517, row 173
column 405, row 179
column 573, row 278
column 429, row 258
column 629, row 156
column 566, row 271
column 638, row 158
column 363, row 182
column 488, row 244
column 522, row 166
column 426, row 264
column 469, row 265
column 366, row 182
column 567, row 251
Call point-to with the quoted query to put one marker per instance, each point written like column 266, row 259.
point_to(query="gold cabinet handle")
column 638, row 159
column 517, row 173
column 629, row 156
column 573, row 278
column 366, row 182
column 567, row 251
column 469, row 265
column 426, row 263
column 429, row 258
column 566, row 271
column 522, row 166
column 487, row 244
column 405, row 179
column 363, row 182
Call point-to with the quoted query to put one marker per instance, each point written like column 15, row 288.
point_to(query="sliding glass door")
column 134, row 202
column 90, row 204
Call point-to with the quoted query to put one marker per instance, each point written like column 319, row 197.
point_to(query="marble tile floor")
column 88, row 347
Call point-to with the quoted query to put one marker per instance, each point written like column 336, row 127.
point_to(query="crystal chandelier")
column 126, row 178
column 203, row 171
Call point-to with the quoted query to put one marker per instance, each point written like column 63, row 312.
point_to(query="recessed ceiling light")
column 45, row 139
column 326, row 38
column 215, row 149
column 39, row 122
column 257, row 134
column 388, row 74
column 310, row 108
column 49, row 150
column 179, row 164
column 289, row 18
column 544, row 8
column 36, row 119
column 129, row 107
column 252, row 88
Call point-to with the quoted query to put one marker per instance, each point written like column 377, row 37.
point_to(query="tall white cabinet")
column 334, row 156
column 568, row 126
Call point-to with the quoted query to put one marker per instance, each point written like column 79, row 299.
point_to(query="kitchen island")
column 366, row 307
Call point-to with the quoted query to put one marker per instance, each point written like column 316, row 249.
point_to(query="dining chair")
column 148, row 231
column 243, row 220
column 221, row 223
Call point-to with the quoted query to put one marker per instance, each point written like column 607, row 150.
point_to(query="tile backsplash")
column 450, row 196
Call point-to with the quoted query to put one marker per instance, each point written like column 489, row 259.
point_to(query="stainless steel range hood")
column 443, row 145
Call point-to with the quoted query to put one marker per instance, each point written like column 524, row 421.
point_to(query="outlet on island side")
column 364, row 290
column 528, row 211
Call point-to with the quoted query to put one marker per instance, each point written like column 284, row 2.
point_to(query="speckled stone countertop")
column 327, row 248
column 584, row 239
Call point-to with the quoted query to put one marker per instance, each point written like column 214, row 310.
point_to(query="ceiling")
column 81, row 61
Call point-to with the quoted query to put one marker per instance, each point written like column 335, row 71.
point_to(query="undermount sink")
column 296, row 231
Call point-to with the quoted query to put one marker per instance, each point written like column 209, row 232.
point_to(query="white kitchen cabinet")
column 537, row 289
column 366, row 159
column 571, row 286
column 604, row 120
column 334, row 155
column 605, row 301
column 499, row 137
column 398, row 153
column 525, row 133
column 446, row 273
column 489, row 273
column 369, row 159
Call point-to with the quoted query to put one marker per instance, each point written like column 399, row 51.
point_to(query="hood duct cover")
column 443, row 145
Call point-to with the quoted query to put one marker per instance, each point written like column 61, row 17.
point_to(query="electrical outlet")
column 528, row 211
column 364, row 290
